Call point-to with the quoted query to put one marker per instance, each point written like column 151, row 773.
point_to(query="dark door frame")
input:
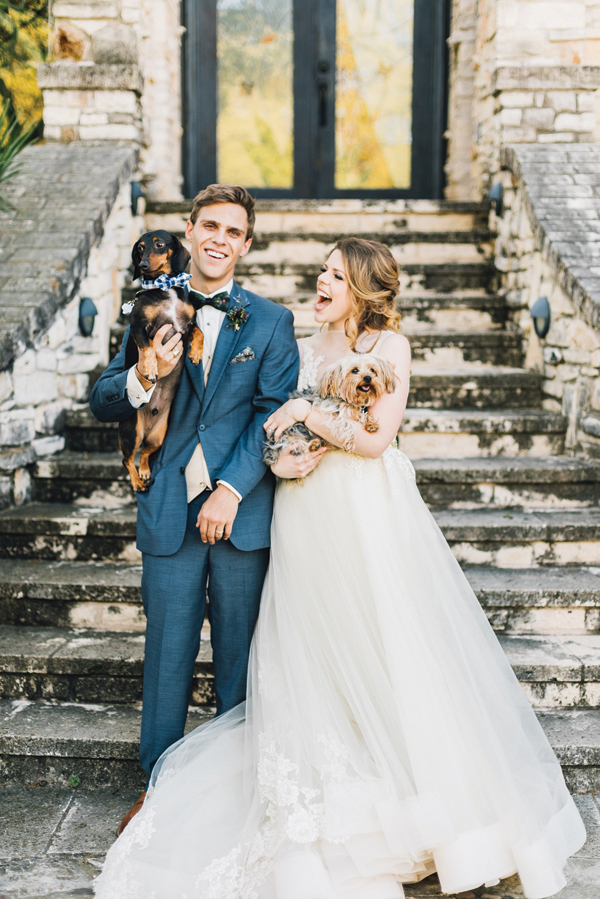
column 314, row 101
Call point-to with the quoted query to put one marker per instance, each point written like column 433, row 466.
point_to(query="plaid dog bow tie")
column 163, row 282
column 220, row 301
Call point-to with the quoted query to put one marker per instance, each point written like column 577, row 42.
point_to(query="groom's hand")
column 217, row 515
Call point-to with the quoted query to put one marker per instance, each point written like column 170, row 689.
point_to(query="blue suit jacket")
column 227, row 417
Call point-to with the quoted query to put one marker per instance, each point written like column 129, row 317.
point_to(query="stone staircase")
column 522, row 517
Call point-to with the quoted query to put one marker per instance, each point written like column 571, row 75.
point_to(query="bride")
column 384, row 736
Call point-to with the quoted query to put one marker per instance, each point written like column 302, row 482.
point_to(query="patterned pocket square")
column 245, row 356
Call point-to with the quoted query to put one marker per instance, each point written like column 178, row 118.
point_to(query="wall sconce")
column 540, row 313
column 496, row 197
column 87, row 315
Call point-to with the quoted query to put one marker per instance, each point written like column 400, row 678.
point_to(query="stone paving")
column 53, row 841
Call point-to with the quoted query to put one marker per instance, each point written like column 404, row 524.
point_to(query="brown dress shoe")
column 131, row 813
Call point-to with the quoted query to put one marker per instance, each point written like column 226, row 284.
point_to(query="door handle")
column 322, row 87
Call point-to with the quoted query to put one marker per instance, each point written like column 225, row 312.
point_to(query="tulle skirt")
column 384, row 736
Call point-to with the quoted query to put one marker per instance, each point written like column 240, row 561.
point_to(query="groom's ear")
column 180, row 257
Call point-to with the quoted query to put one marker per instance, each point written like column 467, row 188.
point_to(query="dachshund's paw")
column 150, row 375
column 196, row 346
column 371, row 428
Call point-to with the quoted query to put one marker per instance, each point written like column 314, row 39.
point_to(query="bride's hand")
column 288, row 466
column 286, row 416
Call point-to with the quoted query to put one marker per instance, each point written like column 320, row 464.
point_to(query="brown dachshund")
column 158, row 256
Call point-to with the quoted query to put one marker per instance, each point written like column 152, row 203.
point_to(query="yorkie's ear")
column 388, row 378
column 331, row 382
column 180, row 257
column 136, row 258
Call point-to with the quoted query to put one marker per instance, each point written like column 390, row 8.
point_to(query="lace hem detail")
column 290, row 815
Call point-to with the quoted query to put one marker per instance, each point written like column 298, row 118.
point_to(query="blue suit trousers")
column 174, row 595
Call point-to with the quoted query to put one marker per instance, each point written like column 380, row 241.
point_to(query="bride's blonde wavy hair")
column 373, row 279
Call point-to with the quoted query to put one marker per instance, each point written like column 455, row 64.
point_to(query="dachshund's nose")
column 367, row 379
column 144, row 265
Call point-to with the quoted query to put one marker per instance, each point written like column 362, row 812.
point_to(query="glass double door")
column 315, row 98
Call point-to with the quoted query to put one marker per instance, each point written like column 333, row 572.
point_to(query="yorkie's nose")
column 367, row 379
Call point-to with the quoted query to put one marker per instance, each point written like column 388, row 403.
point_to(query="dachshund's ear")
column 388, row 377
column 331, row 381
column 180, row 257
column 136, row 256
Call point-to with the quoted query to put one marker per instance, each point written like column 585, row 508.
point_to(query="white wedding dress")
column 384, row 736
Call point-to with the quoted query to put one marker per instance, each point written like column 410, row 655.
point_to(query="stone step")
column 84, row 665
column 548, row 600
column 464, row 311
column 522, row 538
column 90, row 666
column 339, row 217
column 549, row 482
column 313, row 246
column 99, row 743
column 511, row 538
column 101, row 595
column 459, row 349
column 53, row 741
column 99, row 479
column 84, row 433
column 107, row 596
column 453, row 433
column 65, row 531
column 494, row 387
column 280, row 280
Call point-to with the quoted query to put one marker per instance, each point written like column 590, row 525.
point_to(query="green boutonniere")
column 236, row 317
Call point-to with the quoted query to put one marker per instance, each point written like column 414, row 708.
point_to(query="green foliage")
column 14, row 137
column 23, row 42
column 74, row 781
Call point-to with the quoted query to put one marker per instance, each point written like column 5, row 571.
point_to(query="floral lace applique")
column 223, row 877
column 307, row 377
column 123, row 884
column 290, row 814
column 400, row 460
column 336, row 756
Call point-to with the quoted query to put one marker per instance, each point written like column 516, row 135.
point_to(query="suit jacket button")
column 202, row 427
column 182, row 469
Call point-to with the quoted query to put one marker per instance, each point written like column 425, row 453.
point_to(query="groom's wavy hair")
column 373, row 279
column 225, row 193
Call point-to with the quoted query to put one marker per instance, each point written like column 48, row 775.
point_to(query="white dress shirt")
column 210, row 321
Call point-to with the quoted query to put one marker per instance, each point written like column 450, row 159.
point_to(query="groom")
column 205, row 521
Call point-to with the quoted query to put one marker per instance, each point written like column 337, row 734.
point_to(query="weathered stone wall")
column 549, row 245
column 70, row 237
column 462, row 127
column 117, row 77
column 522, row 71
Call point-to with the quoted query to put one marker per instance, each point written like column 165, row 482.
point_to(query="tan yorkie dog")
column 345, row 392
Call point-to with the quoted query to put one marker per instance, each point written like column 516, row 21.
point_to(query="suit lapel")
column 226, row 343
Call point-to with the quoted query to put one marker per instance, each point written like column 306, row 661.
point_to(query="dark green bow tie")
column 220, row 301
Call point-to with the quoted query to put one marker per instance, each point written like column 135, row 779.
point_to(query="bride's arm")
column 388, row 410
